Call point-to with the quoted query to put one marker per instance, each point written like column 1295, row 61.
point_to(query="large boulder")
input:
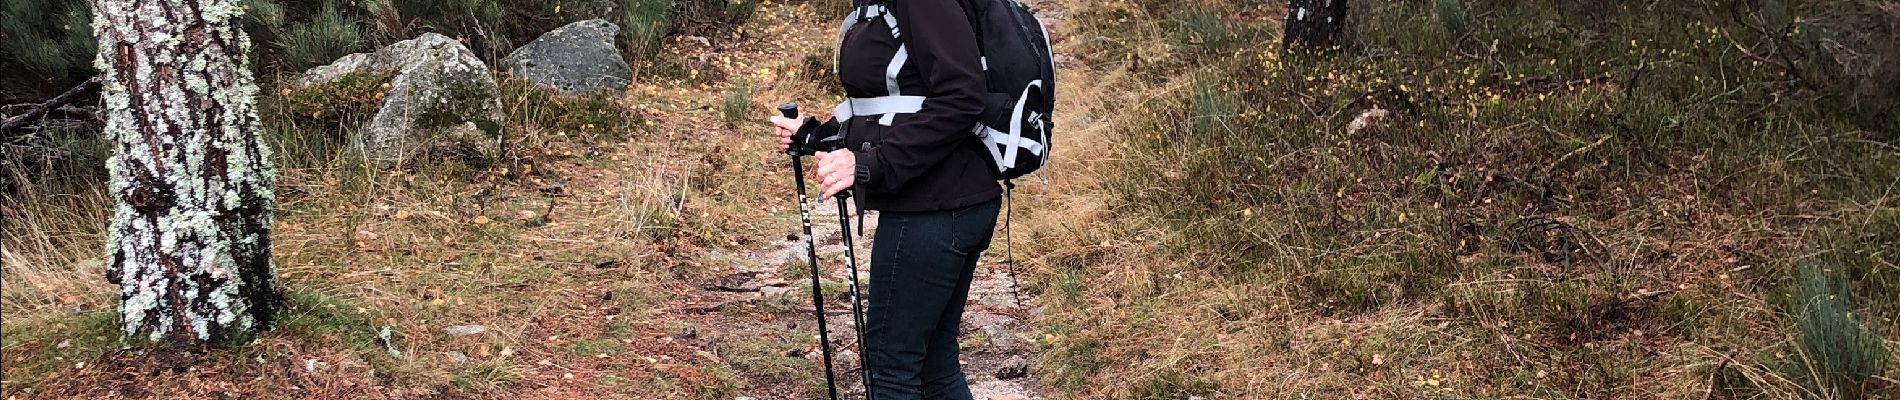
column 442, row 100
column 576, row 59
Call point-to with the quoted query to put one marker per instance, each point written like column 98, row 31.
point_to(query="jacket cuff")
column 865, row 161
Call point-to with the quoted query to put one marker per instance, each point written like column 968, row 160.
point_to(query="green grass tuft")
column 1843, row 356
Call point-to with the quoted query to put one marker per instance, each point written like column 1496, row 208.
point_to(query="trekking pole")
column 857, row 309
column 797, row 150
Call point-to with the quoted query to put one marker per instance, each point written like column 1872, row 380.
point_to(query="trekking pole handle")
column 789, row 110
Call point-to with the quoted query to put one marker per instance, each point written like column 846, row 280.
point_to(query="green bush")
column 48, row 47
column 1203, row 28
column 645, row 22
column 738, row 103
column 329, row 35
column 1453, row 17
column 740, row 11
column 1843, row 357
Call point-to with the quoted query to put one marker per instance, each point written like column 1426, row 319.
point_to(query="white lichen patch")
column 192, row 184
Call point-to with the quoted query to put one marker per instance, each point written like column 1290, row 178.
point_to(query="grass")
column 576, row 244
column 1599, row 205
column 1841, row 355
column 738, row 105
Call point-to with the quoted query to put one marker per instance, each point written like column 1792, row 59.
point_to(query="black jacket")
column 928, row 160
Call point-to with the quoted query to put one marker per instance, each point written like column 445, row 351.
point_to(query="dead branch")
column 16, row 122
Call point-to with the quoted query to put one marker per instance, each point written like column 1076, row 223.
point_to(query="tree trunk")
column 1313, row 24
column 191, row 178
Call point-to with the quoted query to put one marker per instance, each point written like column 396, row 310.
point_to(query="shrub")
column 1453, row 17
column 738, row 103
column 740, row 11
column 1203, row 29
column 645, row 22
column 48, row 47
column 1843, row 356
column 327, row 36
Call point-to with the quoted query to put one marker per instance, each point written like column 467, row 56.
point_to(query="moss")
column 348, row 100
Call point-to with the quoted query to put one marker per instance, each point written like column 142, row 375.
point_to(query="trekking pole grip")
column 789, row 110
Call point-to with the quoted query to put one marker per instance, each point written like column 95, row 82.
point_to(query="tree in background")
column 1314, row 24
column 190, row 178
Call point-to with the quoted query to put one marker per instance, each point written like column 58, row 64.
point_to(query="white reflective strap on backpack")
column 897, row 65
column 895, row 102
column 1005, row 146
column 888, row 106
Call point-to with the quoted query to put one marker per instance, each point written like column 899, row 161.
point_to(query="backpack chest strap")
column 887, row 106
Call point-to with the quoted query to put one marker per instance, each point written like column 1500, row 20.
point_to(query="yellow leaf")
column 402, row 214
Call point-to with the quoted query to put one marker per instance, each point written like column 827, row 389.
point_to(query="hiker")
column 909, row 153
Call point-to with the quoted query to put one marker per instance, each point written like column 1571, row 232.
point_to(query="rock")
column 359, row 63
column 441, row 100
column 745, row 398
column 458, row 357
column 1371, row 118
column 999, row 336
column 772, row 291
column 1015, row 367
column 464, row 330
column 577, row 59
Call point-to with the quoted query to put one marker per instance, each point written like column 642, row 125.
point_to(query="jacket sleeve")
column 943, row 49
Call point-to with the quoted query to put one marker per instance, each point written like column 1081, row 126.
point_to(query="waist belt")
column 887, row 106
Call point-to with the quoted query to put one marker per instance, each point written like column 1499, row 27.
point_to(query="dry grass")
column 1214, row 229
column 568, row 252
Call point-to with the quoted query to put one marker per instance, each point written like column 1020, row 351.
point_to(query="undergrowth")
column 1470, row 199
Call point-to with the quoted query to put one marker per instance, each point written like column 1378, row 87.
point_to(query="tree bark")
column 190, row 177
column 1313, row 24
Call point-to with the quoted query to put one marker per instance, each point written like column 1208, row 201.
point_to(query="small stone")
column 999, row 336
column 458, row 357
column 745, row 398
column 1015, row 367
column 464, row 330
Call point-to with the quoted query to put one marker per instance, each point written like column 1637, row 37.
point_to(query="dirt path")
column 762, row 283
column 755, row 299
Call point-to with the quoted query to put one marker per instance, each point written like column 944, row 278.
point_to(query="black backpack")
column 1019, row 108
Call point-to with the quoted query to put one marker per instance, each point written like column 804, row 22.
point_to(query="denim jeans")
column 921, row 267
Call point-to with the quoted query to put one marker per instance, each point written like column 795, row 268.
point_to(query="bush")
column 329, row 35
column 1453, row 17
column 738, row 103
column 1203, row 28
column 645, row 22
column 1843, row 356
column 48, row 47
column 740, row 11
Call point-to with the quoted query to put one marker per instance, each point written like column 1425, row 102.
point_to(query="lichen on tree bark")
column 189, row 240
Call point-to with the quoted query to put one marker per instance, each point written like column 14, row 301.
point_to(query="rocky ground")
column 996, row 345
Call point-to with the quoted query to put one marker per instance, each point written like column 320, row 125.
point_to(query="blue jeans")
column 921, row 267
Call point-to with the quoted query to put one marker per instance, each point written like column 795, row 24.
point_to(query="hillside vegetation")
column 1468, row 199
column 1476, row 199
